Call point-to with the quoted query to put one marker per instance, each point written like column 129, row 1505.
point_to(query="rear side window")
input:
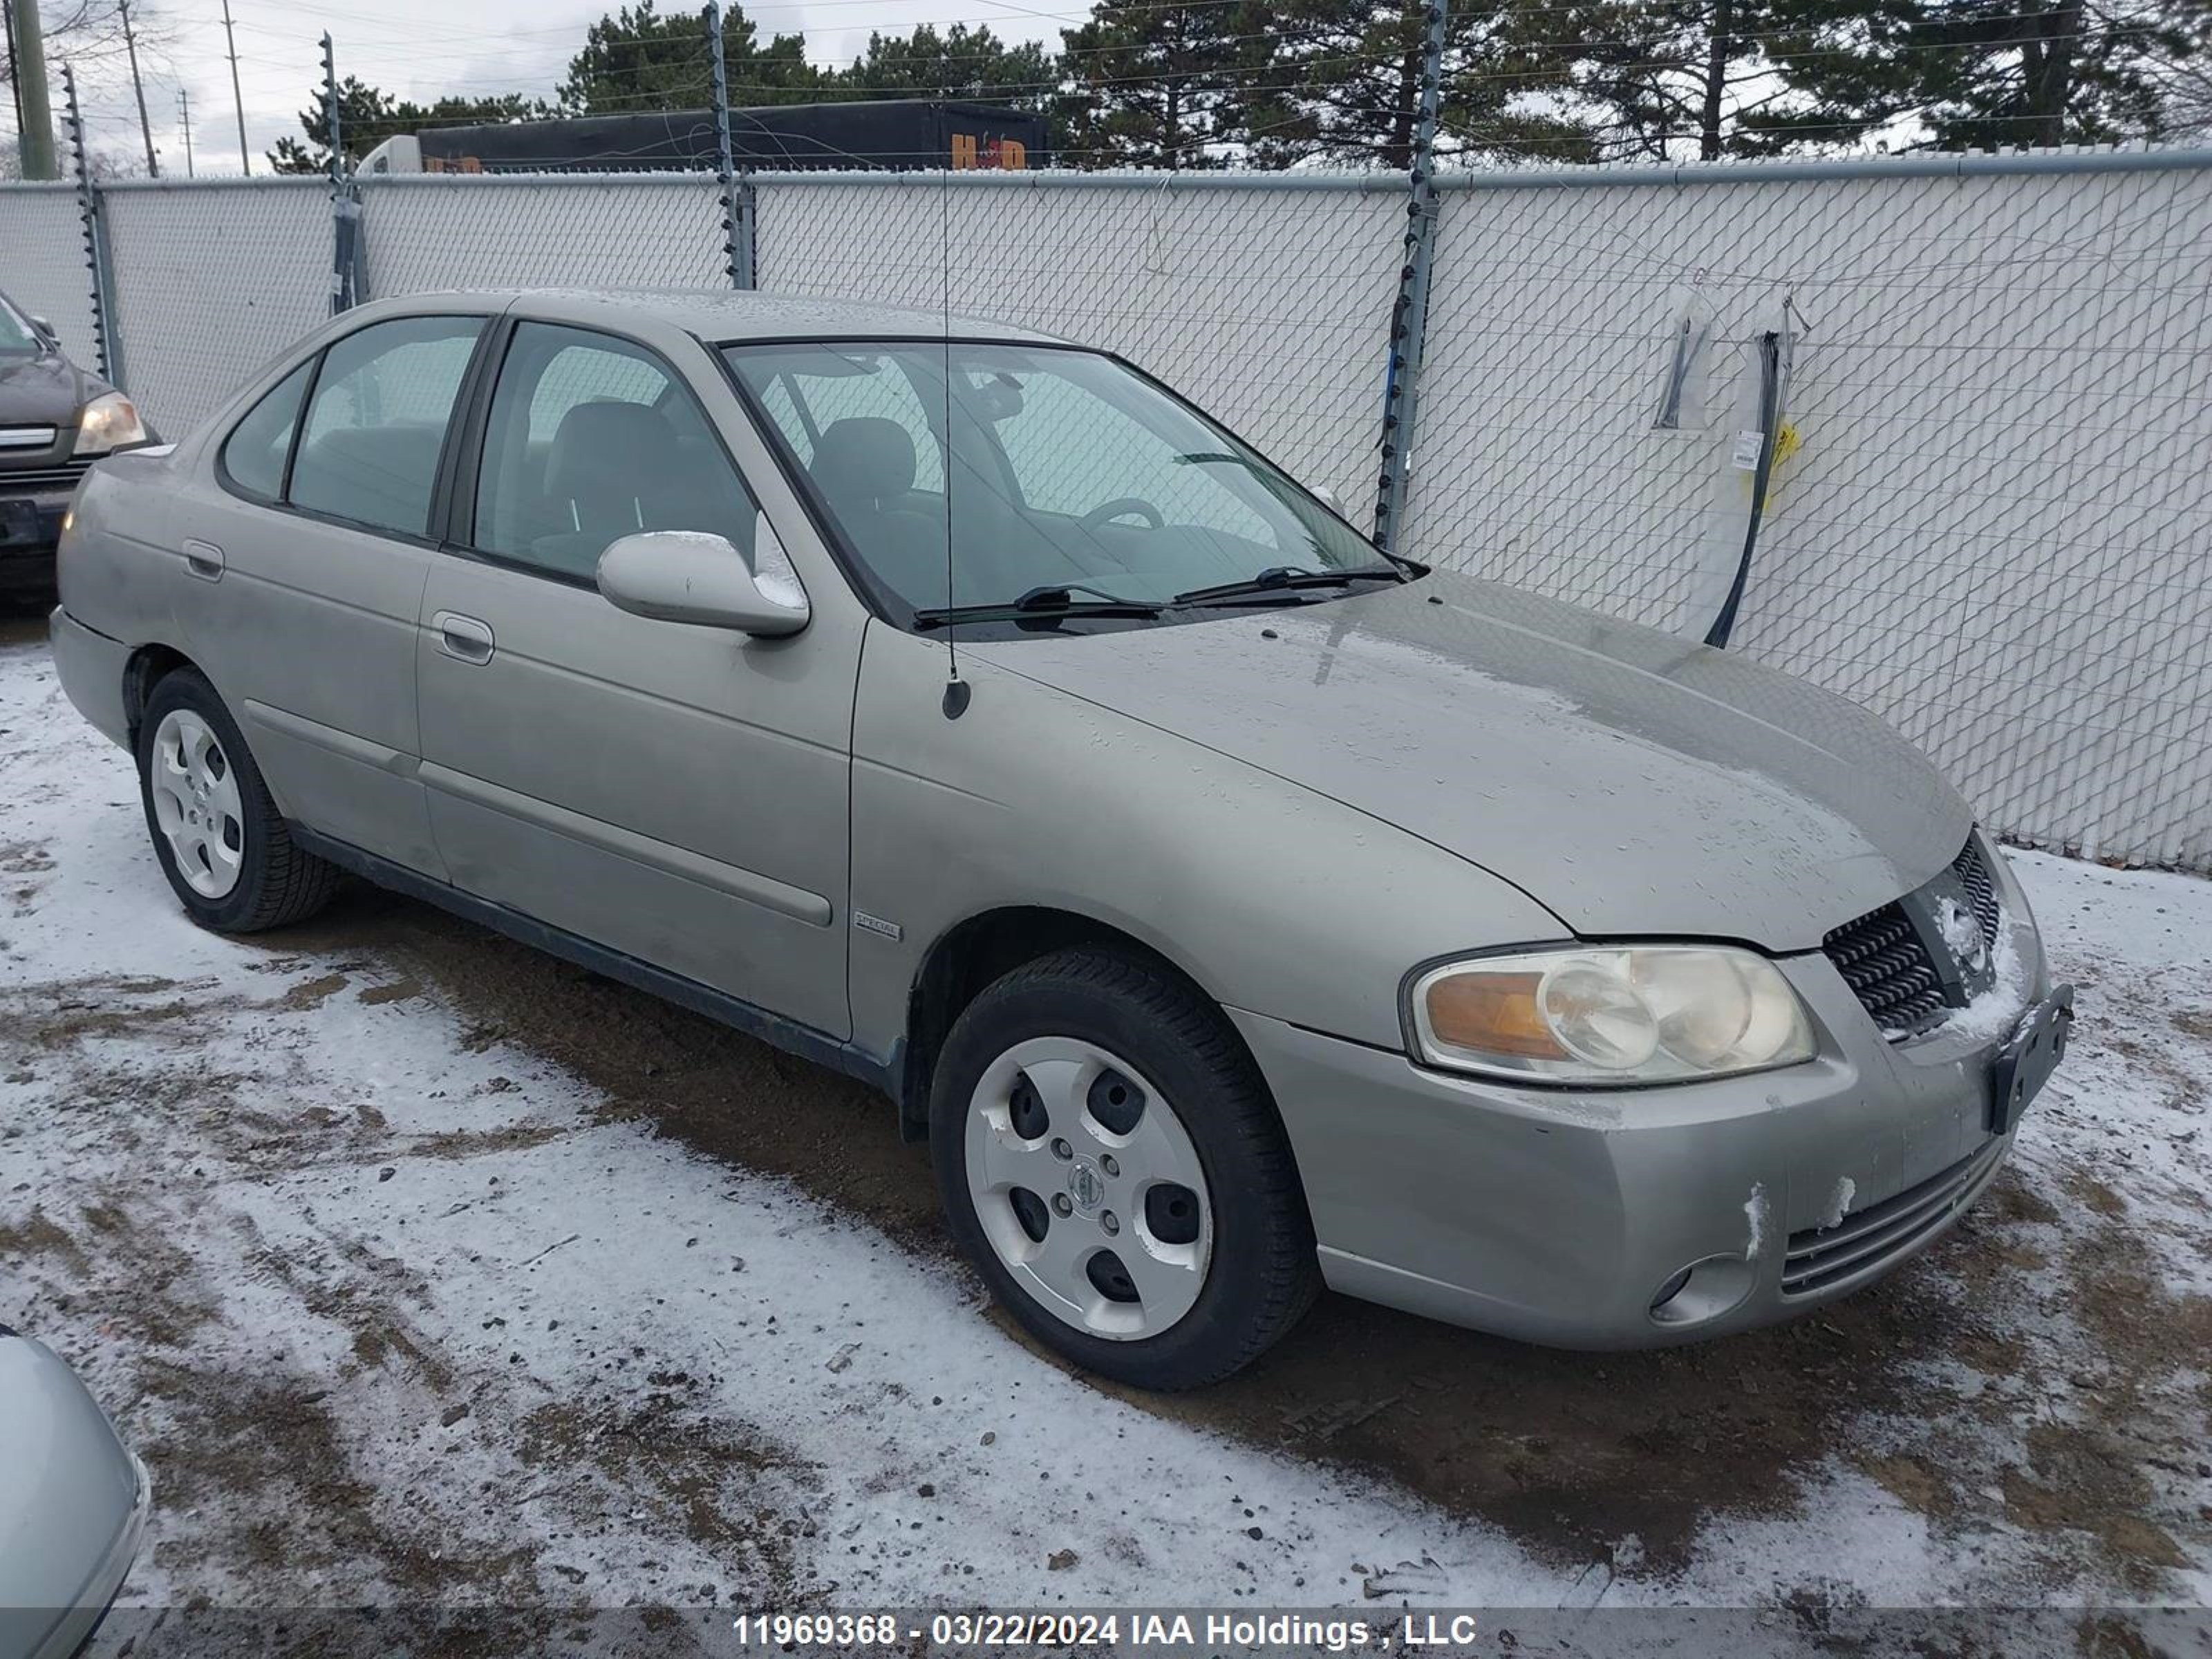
column 368, row 450
column 253, row 455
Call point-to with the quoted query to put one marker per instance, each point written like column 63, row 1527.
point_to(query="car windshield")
column 17, row 337
column 1074, row 480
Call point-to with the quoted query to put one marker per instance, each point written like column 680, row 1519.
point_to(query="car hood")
column 1634, row 783
column 42, row 390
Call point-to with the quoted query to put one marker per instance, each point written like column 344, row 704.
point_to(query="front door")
column 675, row 793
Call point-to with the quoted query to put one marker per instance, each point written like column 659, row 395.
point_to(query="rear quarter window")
column 254, row 454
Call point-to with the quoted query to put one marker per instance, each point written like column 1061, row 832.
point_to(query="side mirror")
column 1327, row 497
column 44, row 328
column 695, row 576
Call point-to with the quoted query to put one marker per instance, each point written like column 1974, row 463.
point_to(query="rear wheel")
column 216, row 831
column 1110, row 1160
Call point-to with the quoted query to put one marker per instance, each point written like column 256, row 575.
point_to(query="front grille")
column 1882, row 1233
column 1981, row 891
column 1884, row 958
column 16, row 481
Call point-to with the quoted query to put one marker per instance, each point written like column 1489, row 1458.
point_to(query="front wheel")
column 1110, row 1160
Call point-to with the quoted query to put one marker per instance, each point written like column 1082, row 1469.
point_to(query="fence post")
column 1409, row 316
column 347, row 286
column 737, row 194
column 92, row 210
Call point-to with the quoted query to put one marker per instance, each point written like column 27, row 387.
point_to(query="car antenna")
column 957, row 691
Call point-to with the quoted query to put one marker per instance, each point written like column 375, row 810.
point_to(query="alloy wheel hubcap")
column 196, row 803
column 1089, row 1188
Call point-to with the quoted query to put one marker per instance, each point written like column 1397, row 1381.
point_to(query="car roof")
column 726, row 317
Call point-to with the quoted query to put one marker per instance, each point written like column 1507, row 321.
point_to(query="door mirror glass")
column 696, row 576
column 44, row 328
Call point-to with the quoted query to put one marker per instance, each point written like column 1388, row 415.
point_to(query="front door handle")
column 204, row 560
column 463, row 637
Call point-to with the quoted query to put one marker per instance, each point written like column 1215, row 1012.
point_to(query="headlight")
column 109, row 422
column 1645, row 1013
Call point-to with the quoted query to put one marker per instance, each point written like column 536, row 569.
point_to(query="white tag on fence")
column 1745, row 455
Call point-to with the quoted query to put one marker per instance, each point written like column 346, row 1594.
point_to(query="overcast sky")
column 421, row 48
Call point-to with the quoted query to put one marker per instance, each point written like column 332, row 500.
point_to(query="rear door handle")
column 204, row 560
column 463, row 637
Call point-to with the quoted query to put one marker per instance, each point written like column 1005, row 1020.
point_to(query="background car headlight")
column 1645, row 1013
column 109, row 422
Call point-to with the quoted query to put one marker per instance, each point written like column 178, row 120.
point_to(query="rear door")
column 299, row 592
column 672, row 792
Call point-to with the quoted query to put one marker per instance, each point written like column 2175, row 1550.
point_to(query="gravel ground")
column 425, row 1270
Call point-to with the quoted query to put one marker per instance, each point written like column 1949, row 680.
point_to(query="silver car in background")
column 1235, row 909
column 73, row 1504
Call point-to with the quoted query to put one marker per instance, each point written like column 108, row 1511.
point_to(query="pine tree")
column 961, row 63
column 1347, row 77
column 1158, row 85
column 1980, row 74
column 638, row 59
column 1713, row 78
column 368, row 115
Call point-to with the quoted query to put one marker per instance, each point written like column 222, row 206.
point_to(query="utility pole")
column 145, row 127
column 37, row 142
column 237, row 98
column 185, row 120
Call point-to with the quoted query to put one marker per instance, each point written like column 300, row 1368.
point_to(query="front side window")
column 1069, row 470
column 591, row 439
column 368, row 450
column 254, row 454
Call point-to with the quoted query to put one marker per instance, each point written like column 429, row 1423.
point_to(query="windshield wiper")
column 1284, row 578
column 1039, row 604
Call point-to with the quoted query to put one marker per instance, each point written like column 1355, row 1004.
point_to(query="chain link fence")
column 1986, row 512
column 212, row 279
column 1988, row 518
column 44, row 266
column 455, row 230
column 1270, row 304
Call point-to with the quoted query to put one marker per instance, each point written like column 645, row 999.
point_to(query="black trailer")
column 902, row 134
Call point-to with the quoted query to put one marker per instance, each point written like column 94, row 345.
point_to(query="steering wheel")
column 1105, row 511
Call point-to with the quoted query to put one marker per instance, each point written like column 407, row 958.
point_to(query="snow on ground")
column 399, row 1314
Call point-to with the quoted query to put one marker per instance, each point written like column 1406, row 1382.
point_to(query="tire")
column 1020, row 1049
column 233, row 867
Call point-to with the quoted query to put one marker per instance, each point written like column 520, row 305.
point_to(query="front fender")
column 1272, row 898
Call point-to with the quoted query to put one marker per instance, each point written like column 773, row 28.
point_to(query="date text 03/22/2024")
column 1140, row 1630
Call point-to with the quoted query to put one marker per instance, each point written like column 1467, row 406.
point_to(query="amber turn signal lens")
column 1492, row 1014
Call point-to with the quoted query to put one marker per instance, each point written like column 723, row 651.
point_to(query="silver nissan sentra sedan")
column 1235, row 909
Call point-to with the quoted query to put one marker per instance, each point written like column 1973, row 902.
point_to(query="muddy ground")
column 2035, row 1390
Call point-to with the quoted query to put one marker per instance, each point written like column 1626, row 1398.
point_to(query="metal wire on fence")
column 1986, row 516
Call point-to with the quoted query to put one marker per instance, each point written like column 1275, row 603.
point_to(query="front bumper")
column 30, row 527
column 1560, row 1217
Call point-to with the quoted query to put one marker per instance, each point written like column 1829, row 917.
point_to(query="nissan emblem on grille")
column 1963, row 934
